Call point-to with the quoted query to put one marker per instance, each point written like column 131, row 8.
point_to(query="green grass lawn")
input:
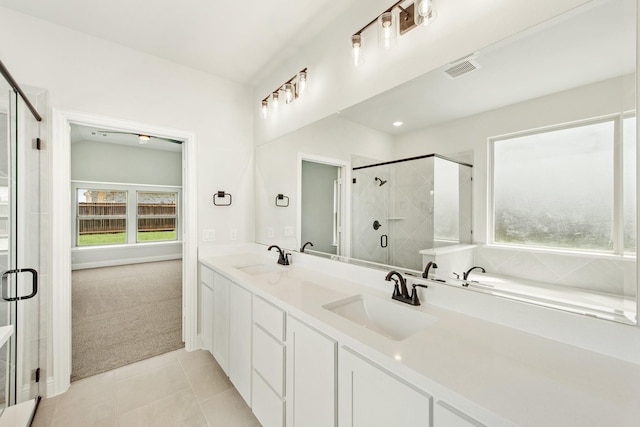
column 111, row 238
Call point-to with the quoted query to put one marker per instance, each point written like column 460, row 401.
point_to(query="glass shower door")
column 20, row 351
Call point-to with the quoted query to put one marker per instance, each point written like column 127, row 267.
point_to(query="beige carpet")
column 124, row 314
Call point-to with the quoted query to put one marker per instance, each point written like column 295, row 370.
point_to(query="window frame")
column 176, row 216
column 617, row 193
column 131, row 217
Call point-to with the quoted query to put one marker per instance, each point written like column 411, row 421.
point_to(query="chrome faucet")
column 465, row 276
column 430, row 265
column 283, row 259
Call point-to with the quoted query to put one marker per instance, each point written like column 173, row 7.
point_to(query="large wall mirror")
column 518, row 159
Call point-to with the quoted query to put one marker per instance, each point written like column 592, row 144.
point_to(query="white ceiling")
column 230, row 39
column 591, row 44
column 81, row 133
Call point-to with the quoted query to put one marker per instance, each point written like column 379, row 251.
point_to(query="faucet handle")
column 414, row 294
column 287, row 259
column 396, row 287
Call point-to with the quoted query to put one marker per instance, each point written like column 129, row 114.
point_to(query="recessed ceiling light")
column 398, row 124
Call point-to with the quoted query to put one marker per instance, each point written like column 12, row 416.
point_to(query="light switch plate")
column 270, row 232
column 233, row 234
column 288, row 231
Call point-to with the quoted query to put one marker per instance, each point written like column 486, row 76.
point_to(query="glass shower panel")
column 20, row 211
column 411, row 221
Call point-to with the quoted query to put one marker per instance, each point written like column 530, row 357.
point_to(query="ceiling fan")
column 142, row 138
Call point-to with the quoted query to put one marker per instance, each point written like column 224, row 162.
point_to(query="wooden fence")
column 91, row 223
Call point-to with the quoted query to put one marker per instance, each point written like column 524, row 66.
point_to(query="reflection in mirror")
column 546, row 118
column 403, row 207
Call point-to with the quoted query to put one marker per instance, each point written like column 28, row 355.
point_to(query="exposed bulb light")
column 387, row 31
column 143, row 139
column 398, row 124
column 302, row 82
column 356, row 49
column 424, row 13
column 288, row 93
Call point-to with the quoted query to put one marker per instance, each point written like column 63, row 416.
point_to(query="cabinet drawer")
column 267, row 406
column 206, row 276
column 268, row 359
column 270, row 317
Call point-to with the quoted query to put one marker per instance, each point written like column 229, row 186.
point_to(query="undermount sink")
column 384, row 317
column 256, row 269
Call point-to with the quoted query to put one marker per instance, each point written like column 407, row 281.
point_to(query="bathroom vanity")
column 321, row 343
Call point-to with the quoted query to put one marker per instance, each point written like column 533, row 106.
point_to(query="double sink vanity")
column 321, row 343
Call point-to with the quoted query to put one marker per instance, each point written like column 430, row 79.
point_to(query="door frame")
column 345, row 176
column 61, row 218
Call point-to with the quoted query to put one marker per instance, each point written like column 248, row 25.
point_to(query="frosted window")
column 556, row 188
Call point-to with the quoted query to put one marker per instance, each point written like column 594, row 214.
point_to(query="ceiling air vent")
column 461, row 69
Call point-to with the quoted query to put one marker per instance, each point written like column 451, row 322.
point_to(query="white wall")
column 87, row 74
column 102, row 162
column 462, row 27
column 277, row 169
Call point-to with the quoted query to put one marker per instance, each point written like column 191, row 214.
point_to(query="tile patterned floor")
column 176, row 389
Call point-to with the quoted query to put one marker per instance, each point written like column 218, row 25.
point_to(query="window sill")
column 124, row 245
column 558, row 251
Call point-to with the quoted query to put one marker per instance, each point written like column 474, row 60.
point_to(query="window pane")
column 157, row 216
column 102, row 217
column 629, row 183
column 556, row 188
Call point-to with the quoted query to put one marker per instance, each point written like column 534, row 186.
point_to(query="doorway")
column 61, row 234
column 126, row 248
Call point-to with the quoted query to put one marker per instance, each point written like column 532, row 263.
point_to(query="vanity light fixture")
column 290, row 90
column 387, row 31
column 424, row 13
column 389, row 25
column 356, row 51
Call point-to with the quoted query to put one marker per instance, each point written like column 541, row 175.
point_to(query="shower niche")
column 406, row 206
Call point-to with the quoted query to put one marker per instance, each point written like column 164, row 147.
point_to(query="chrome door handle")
column 34, row 284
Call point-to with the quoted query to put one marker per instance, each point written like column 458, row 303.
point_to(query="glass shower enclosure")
column 20, row 212
column 402, row 207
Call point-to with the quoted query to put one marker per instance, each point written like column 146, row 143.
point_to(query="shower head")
column 382, row 182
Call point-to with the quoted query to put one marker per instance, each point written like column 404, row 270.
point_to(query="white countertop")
column 515, row 377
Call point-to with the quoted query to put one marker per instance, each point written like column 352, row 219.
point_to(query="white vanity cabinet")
column 221, row 321
column 268, row 394
column 206, row 308
column 311, row 376
column 226, row 327
column 370, row 396
column 240, row 328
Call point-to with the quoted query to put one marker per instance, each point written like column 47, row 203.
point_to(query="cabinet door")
column 311, row 376
column 373, row 397
column 240, row 340
column 221, row 321
column 206, row 317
